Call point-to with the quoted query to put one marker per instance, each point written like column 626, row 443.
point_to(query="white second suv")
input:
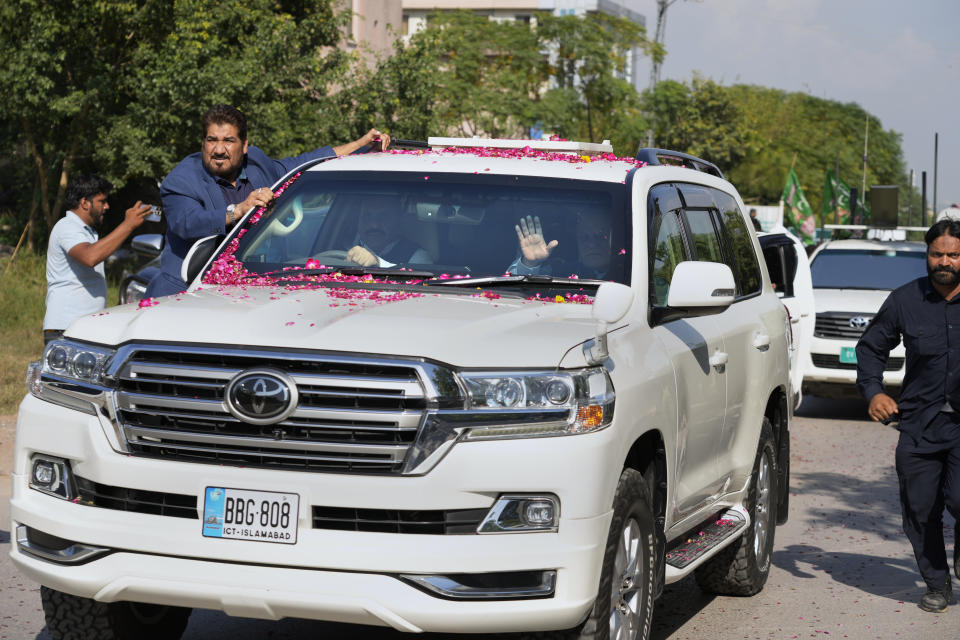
column 456, row 441
column 851, row 280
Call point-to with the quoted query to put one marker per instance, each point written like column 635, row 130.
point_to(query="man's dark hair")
column 85, row 186
column 946, row 227
column 224, row 114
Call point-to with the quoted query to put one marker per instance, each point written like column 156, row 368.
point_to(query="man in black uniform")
column 926, row 314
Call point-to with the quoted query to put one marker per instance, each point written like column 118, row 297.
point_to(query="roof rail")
column 399, row 143
column 558, row 146
column 652, row 157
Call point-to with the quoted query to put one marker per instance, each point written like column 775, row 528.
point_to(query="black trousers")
column 929, row 472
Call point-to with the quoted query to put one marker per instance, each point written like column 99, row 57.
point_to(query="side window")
column 706, row 242
column 745, row 267
column 666, row 248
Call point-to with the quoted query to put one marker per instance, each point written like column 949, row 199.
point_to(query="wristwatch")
column 230, row 208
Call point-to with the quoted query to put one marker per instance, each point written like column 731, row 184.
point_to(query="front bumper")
column 344, row 576
column 823, row 371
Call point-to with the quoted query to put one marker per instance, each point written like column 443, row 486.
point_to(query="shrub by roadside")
column 23, row 290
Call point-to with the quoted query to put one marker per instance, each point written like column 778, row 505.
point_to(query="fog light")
column 538, row 512
column 45, row 474
column 52, row 476
column 522, row 514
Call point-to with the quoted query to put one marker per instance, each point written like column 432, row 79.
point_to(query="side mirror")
column 148, row 244
column 701, row 288
column 610, row 305
column 612, row 302
column 198, row 256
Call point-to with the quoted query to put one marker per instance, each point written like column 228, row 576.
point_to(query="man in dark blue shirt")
column 925, row 314
column 211, row 190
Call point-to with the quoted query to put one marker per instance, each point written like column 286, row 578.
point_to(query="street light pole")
column 863, row 185
column 936, row 140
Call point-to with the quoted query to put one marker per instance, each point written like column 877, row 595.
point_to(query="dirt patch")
column 8, row 429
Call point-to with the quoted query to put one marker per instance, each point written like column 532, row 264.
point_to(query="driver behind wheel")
column 377, row 243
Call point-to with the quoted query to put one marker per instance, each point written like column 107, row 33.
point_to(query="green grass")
column 23, row 289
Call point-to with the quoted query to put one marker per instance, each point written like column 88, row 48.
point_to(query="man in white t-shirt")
column 76, row 283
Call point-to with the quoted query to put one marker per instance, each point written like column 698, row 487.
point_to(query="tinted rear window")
column 866, row 269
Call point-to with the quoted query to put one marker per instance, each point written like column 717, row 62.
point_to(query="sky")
column 898, row 59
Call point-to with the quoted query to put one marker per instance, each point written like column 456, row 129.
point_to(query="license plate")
column 241, row 514
column 848, row 355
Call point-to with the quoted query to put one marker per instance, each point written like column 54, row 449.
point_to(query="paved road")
column 841, row 567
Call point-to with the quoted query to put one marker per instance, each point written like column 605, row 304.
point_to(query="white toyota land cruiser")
column 460, row 442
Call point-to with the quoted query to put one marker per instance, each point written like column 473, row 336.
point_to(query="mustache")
column 946, row 269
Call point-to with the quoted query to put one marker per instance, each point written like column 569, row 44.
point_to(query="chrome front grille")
column 841, row 325
column 354, row 415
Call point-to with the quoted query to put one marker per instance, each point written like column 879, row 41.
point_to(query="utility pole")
column 910, row 200
column 657, row 61
column 936, row 137
column 923, row 199
column 863, row 183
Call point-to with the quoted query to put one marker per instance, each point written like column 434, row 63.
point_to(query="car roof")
column 481, row 161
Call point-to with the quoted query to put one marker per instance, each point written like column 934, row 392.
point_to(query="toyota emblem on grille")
column 261, row 396
column 859, row 322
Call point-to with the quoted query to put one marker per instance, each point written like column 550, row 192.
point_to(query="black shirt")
column 930, row 329
column 235, row 193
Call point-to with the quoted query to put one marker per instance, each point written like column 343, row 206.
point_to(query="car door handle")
column 761, row 341
column 719, row 361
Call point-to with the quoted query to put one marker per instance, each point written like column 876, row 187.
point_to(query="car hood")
column 854, row 300
column 460, row 328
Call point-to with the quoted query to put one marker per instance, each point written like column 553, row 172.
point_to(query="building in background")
column 417, row 12
column 374, row 26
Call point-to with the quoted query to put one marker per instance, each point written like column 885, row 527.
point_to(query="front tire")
column 72, row 617
column 741, row 568
column 624, row 605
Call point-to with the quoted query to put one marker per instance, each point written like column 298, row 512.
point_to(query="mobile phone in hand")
column 156, row 213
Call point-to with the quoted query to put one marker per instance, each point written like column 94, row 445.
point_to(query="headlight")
column 81, row 362
column 538, row 403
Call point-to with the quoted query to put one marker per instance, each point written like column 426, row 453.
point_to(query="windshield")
column 866, row 268
column 450, row 225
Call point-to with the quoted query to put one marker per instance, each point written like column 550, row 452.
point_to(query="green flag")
column 836, row 198
column 835, row 189
column 797, row 212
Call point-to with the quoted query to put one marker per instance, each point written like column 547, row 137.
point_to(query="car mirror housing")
column 148, row 244
column 701, row 288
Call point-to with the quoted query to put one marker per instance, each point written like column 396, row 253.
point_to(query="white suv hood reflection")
column 853, row 300
column 464, row 330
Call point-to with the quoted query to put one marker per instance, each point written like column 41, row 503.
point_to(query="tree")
column 467, row 75
column 755, row 134
column 589, row 98
column 118, row 87
column 700, row 118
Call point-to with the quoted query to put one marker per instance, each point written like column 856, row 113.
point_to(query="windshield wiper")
column 350, row 271
column 498, row 281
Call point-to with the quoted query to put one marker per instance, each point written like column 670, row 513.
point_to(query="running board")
column 689, row 552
